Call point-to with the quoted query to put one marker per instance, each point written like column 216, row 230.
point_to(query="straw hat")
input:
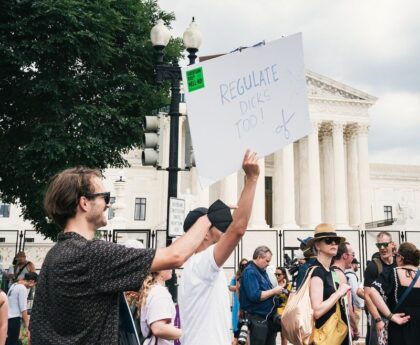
column 324, row 230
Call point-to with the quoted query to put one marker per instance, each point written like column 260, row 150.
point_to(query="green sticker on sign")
column 195, row 79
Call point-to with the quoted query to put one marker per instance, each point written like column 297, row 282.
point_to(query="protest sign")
column 253, row 99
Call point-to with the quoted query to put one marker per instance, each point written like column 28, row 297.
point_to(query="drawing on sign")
column 283, row 125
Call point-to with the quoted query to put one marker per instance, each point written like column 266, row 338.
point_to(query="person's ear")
column 83, row 203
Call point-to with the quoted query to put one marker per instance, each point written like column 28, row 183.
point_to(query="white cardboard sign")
column 253, row 99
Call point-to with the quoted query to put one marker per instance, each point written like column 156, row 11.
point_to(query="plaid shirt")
column 76, row 300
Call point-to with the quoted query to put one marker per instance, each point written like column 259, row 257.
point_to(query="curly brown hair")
column 148, row 282
column 410, row 253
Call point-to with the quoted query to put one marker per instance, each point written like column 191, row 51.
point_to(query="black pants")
column 260, row 333
column 13, row 330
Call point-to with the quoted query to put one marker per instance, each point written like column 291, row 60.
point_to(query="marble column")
column 303, row 204
column 283, row 189
column 364, row 177
column 328, row 196
column 314, row 185
column 353, row 177
column 341, row 219
column 229, row 189
column 200, row 197
column 257, row 220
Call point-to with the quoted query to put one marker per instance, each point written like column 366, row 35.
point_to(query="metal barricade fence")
column 281, row 242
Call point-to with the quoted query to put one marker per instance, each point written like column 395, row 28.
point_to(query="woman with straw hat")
column 326, row 290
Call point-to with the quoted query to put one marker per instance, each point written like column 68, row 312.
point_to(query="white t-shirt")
column 17, row 295
column 204, row 302
column 352, row 280
column 158, row 306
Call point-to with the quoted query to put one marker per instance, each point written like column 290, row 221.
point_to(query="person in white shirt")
column 203, row 297
column 17, row 297
column 157, row 310
column 4, row 311
column 353, row 281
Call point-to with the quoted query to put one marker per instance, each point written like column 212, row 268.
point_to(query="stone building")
column 325, row 176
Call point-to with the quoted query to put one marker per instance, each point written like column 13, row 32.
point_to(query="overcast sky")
column 371, row 45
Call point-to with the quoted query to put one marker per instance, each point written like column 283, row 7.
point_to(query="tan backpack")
column 297, row 320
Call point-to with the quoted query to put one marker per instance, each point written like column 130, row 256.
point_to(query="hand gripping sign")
column 254, row 99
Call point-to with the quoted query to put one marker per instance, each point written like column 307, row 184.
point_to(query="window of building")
column 140, row 209
column 4, row 210
column 111, row 211
column 388, row 212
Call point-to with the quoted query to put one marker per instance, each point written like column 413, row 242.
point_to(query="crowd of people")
column 82, row 280
column 335, row 291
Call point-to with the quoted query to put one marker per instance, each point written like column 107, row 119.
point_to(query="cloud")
column 372, row 45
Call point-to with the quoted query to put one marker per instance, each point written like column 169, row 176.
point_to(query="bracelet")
column 378, row 319
column 389, row 317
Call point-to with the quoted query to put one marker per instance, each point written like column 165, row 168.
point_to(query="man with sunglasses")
column 342, row 262
column 384, row 263
column 81, row 279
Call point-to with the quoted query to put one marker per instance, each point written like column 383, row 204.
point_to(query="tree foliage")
column 76, row 77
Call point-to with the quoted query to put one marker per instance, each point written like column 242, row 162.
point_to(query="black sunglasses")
column 106, row 195
column 278, row 274
column 330, row 240
column 384, row 245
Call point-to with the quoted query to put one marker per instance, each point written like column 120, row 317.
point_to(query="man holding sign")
column 203, row 294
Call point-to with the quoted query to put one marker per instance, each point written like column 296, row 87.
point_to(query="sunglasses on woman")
column 330, row 240
column 278, row 274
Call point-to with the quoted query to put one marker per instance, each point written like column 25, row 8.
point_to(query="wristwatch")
column 378, row 319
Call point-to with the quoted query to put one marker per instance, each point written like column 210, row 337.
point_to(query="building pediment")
column 324, row 88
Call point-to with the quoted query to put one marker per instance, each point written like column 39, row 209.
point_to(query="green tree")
column 76, row 77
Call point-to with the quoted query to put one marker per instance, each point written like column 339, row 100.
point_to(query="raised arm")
column 178, row 252
column 230, row 239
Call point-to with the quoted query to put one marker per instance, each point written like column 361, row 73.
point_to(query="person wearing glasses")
column 342, row 262
column 326, row 288
column 283, row 281
column 234, row 287
column 383, row 264
column 256, row 295
column 81, row 279
column 402, row 313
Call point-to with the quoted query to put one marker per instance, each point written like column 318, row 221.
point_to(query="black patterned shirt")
column 76, row 300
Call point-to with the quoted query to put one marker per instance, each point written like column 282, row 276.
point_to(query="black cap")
column 192, row 217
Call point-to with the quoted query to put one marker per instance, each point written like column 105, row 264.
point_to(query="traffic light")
column 152, row 141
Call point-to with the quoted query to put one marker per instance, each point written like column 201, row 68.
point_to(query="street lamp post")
column 192, row 40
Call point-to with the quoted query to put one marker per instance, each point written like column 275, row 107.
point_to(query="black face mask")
column 219, row 215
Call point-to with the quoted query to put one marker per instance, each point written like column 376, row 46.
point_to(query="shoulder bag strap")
column 10, row 289
column 406, row 292
column 308, row 276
